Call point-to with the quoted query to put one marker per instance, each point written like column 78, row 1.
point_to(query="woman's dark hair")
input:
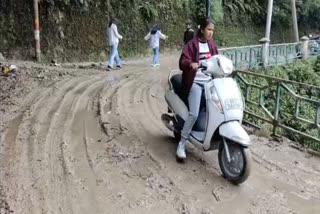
column 112, row 21
column 155, row 29
column 203, row 23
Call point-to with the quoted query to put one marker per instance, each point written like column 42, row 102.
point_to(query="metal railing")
column 284, row 53
column 314, row 47
column 247, row 57
column 276, row 116
column 244, row 57
column 259, row 109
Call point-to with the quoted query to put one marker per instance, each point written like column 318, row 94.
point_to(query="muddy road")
column 78, row 139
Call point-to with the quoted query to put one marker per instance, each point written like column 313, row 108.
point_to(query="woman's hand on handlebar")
column 194, row 66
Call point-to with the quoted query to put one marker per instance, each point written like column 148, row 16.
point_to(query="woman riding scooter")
column 196, row 51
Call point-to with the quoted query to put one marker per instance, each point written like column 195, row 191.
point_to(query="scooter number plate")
column 231, row 104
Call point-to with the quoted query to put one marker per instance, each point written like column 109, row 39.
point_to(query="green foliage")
column 82, row 4
column 301, row 71
column 242, row 12
column 316, row 66
column 282, row 13
column 217, row 11
column 148, row 12
column 239, row 22
column 198, row 10
column 308, row 13
column 252, row 7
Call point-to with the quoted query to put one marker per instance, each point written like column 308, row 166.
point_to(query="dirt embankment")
column 81, row 140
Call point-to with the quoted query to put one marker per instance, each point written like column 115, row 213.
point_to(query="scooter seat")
column 176, row 81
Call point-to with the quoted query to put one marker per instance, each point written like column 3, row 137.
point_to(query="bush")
column 305, row 71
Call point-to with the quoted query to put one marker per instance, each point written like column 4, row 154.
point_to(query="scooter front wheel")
column 237, row 169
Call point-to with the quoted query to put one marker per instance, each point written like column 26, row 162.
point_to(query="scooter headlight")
column 214, row 97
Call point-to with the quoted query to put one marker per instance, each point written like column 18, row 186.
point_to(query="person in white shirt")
column 113, row 41
column 154, row 36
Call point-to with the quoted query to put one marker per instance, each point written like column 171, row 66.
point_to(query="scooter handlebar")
column 203, row 66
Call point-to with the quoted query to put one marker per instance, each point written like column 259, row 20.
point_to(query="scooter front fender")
column 234, row 131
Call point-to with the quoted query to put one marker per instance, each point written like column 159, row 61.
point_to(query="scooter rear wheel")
column 167, row 121
column 238, row 169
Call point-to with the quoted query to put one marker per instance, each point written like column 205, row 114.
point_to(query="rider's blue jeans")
column 194, row 100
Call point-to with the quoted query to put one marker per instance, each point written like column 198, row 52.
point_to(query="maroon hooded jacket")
column 190, row 54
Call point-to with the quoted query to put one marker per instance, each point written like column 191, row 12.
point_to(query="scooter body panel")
column 228, row 94
column 176, row 104
column 226, row 119
column 215, row 118
column 234, row 131
column 219, row 124
column 230, row 98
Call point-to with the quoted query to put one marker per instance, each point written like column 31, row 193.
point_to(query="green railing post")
column 250, row 58
column 297, row 107
column 317, row 120
column 277, row 109
column 261, row 98
column 247, row 92
column 236, row 59
column 287, row 54
column 277, row 57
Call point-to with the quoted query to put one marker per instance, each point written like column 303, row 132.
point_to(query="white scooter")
column 219, row 122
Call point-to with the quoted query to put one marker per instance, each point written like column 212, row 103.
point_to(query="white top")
column 113, row 35
column 204, row 54
column 154, row 38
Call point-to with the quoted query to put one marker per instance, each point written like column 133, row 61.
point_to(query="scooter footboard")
column 234, row 131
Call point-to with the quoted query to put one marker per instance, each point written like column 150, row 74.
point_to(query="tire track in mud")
column 127, row 141
column 23, row 157
column 76, row 147
column 144, row 167
column 141, row 109
column 96, row 144
column 136, row 105
column 34, row 148
column 108, row 106
column 49, row 138
column 145, row 119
